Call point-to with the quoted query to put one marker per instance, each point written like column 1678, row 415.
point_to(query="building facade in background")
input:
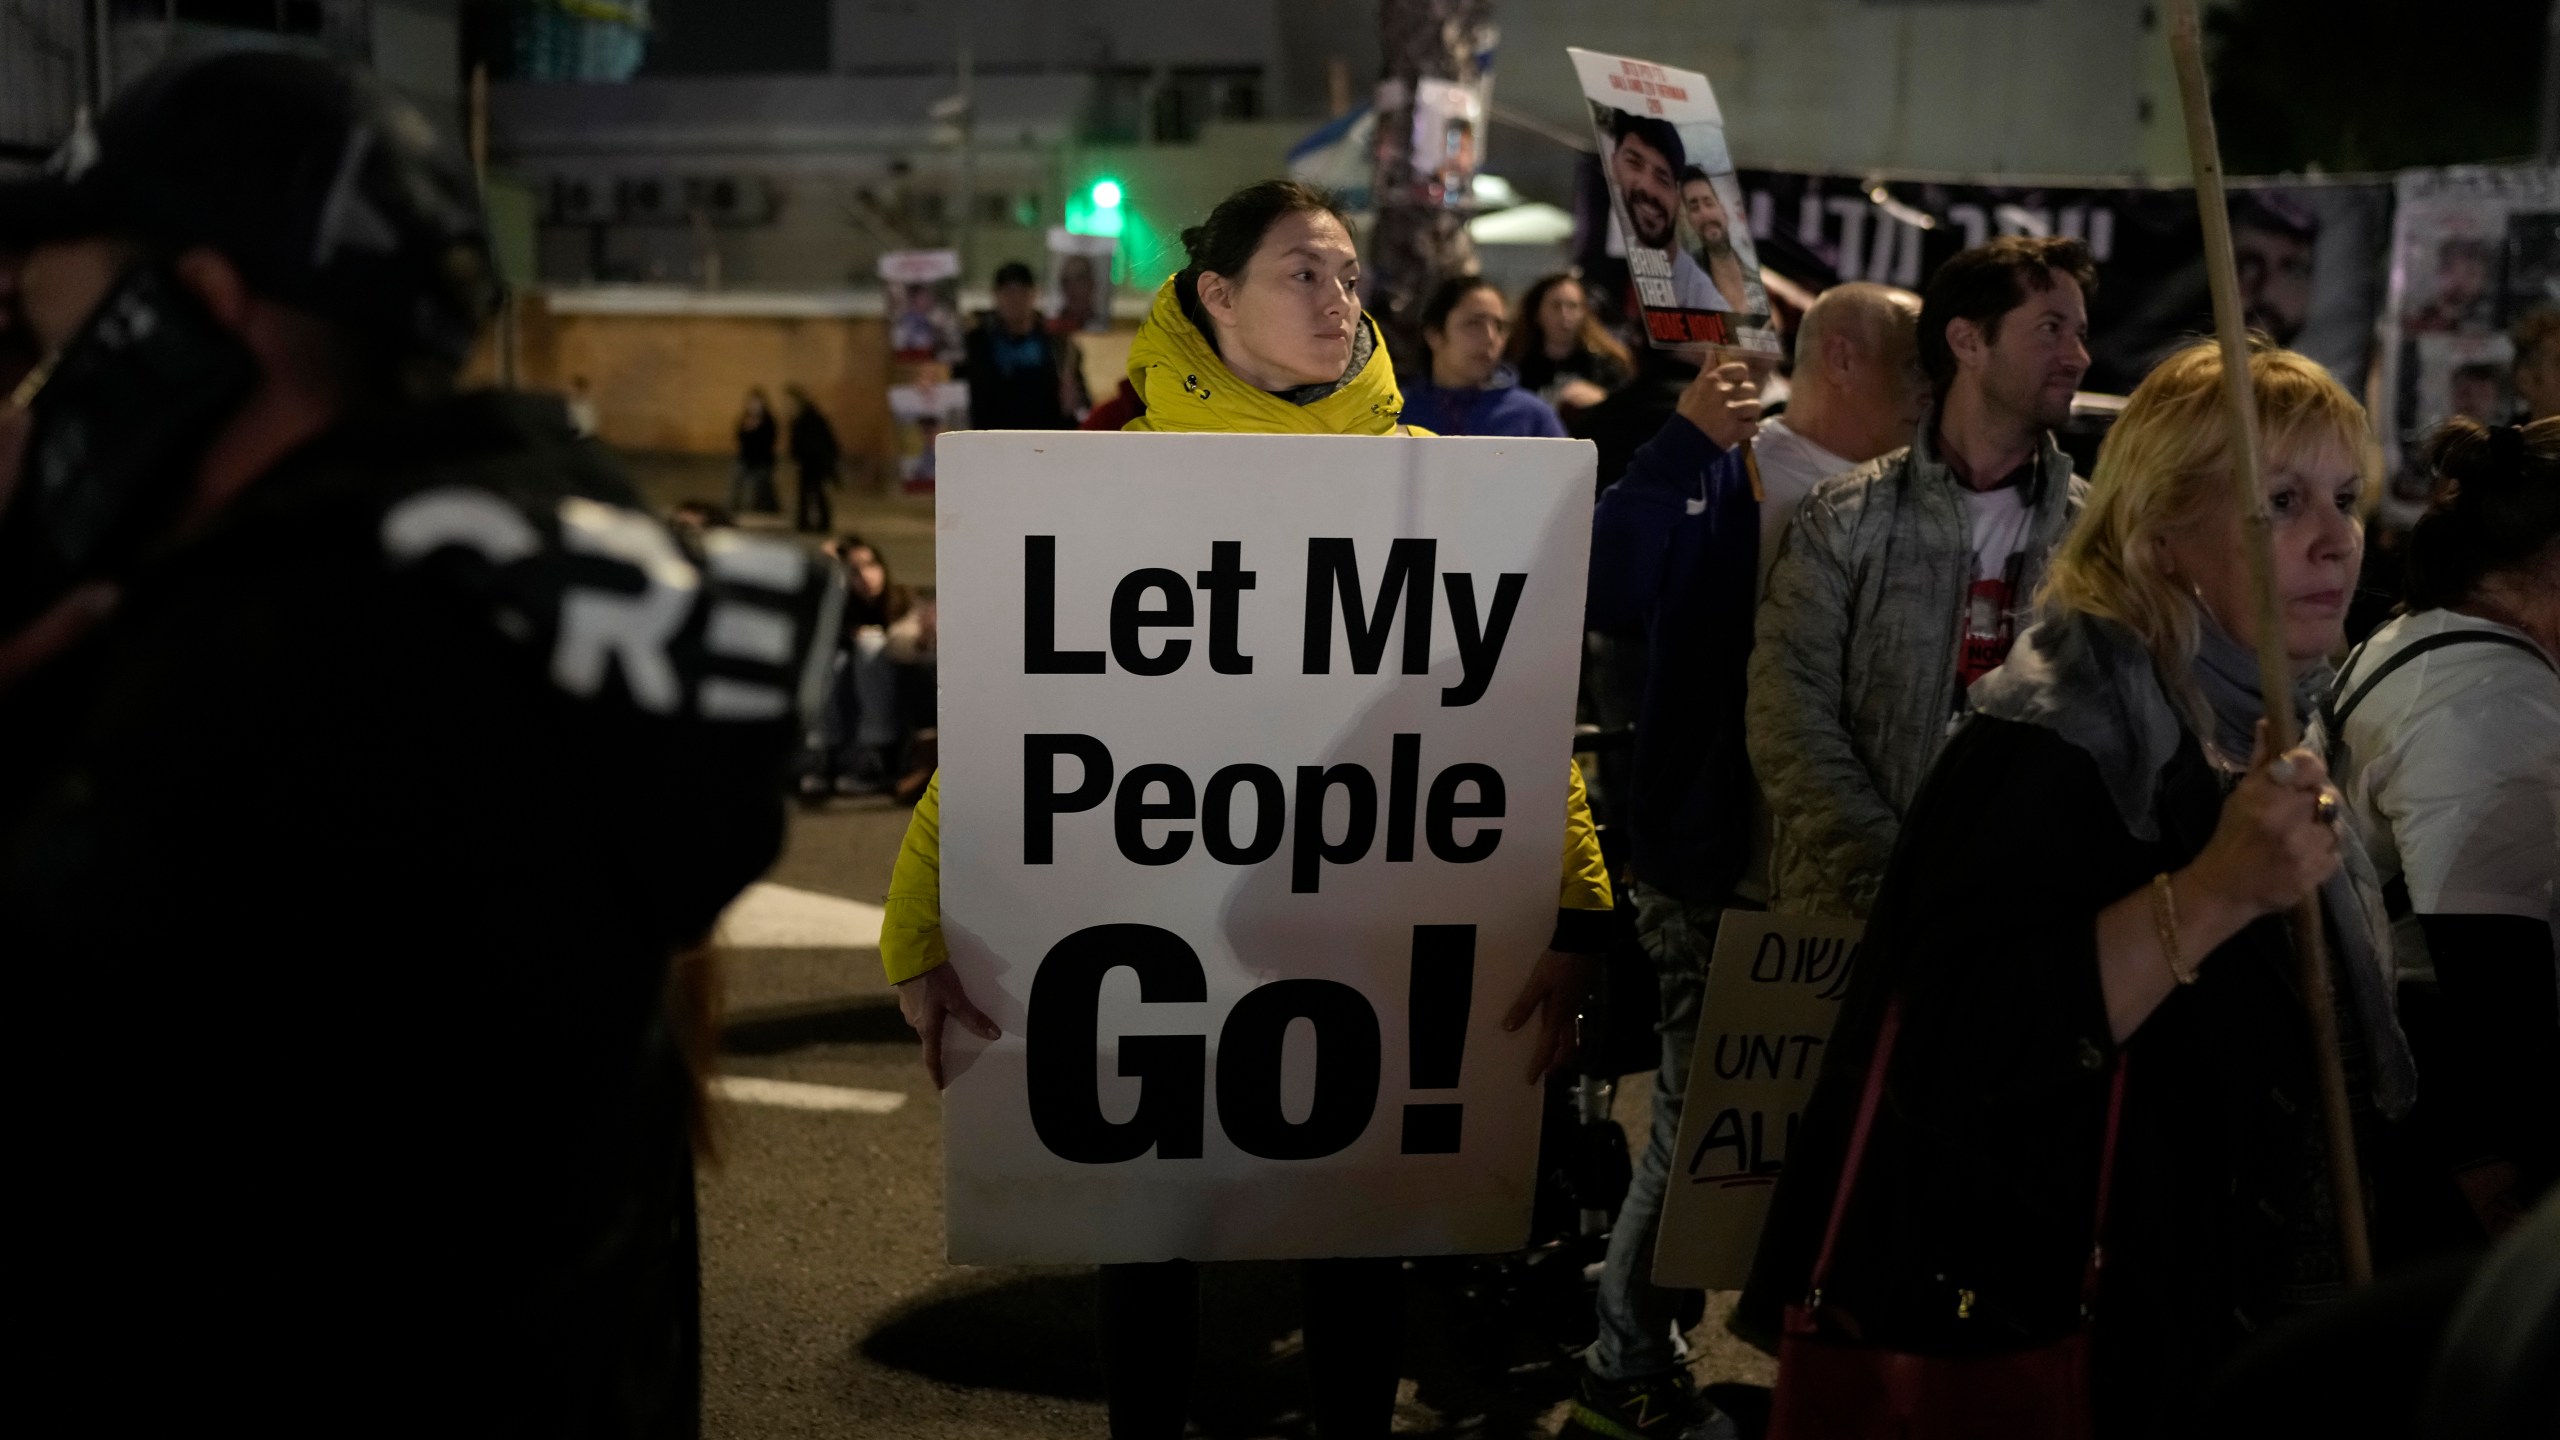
column 58, row 56
column 790, row 154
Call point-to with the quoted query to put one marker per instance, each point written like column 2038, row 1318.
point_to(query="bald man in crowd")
column 1857, row 392
column 1680, row 546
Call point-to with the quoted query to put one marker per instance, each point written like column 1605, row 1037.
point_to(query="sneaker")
column 1661, row 1406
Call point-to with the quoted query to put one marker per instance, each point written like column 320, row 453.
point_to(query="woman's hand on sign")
column 1724, row 403
column 933, row 997
column 2274, row 844
column 1554, row 996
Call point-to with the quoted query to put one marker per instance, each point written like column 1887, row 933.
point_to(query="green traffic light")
column 1106, row 194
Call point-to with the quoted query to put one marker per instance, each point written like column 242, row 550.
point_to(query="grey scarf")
column 2091, row 682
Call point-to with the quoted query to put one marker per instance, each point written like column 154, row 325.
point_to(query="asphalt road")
column 827, row 1307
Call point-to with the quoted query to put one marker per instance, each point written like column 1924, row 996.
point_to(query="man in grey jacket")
column 1903, row 581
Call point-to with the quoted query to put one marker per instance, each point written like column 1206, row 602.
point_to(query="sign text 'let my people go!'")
column 1254, row 777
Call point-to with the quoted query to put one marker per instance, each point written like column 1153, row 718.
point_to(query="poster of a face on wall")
column 923, row 298
column 1078, row 295
column 1676, row 200
column 922, row 412
column 2310, row 254
column 1448, row 141
column 2475, row 277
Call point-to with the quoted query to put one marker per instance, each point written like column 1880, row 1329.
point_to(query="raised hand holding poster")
column 1678, row 204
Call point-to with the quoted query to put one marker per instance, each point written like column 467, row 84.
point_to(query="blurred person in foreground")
column 1470, row 391
column 1261, row 332
column 2150, row 845
column 2444, row 732
column 367, row 756
column 1899, row 585
column 1561, row 351
column 1018, row 368
column 1677, row 546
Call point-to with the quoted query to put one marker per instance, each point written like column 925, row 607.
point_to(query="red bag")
column 1834, row 1388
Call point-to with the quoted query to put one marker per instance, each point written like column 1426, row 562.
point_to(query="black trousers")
column 1354, row 1329
column 814, row 502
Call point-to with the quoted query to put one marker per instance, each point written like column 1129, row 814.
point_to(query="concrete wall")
column 1972, row 87
column 897, row 35
column 1169, row 187
column 673, row 381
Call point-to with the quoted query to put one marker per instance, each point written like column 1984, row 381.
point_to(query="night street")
column 827, row 1309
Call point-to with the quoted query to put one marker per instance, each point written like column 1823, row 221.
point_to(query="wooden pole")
column 2275, row 670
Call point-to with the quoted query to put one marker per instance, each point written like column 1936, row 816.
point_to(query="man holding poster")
column 1676, row 201
column 1141, row 639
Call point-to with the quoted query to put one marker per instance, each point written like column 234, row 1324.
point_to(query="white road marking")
column 792, row 1095
column 778, row 917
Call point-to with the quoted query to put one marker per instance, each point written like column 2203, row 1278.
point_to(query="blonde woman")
column 2096, row 871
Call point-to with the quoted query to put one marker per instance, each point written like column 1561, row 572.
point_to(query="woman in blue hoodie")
column 1470, row 391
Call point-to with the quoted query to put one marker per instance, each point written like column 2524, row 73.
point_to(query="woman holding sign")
column 1263, row 333
column 2079, row 965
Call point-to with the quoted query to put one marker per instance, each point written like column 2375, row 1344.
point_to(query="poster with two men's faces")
column 1678, row 205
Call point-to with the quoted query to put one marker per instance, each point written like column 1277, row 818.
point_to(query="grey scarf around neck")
column 2091, row 682
column 2226, row 673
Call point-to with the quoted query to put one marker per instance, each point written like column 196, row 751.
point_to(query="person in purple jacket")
column 1470, row 391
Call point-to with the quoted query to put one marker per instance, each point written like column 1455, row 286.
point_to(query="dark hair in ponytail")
column 1221, row 244
column 2496, row 506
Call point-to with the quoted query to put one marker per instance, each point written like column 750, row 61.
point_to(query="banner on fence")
column 2310, row 255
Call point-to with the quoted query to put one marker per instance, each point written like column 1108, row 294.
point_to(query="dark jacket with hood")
column 1975, row 1202
column 1675, row 548
column 360, row 837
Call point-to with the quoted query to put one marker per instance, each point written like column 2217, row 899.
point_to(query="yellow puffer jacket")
column 1188, row 388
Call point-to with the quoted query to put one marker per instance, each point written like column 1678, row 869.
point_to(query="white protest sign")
column 1254, row 764
column 1774, row 987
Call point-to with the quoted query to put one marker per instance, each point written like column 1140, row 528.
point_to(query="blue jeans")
column 1636, row 1315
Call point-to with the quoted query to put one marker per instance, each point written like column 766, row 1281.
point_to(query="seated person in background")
column 2444, row 731
column 1470, row 391
column 1561, row 352
column 880, row 691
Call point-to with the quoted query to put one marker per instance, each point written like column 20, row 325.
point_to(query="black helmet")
column 326, row 190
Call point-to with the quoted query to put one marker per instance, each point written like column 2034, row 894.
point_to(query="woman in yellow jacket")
column 1261, row 333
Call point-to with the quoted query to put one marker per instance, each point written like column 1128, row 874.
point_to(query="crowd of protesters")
column 1899, row 663
column 1902, row 664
